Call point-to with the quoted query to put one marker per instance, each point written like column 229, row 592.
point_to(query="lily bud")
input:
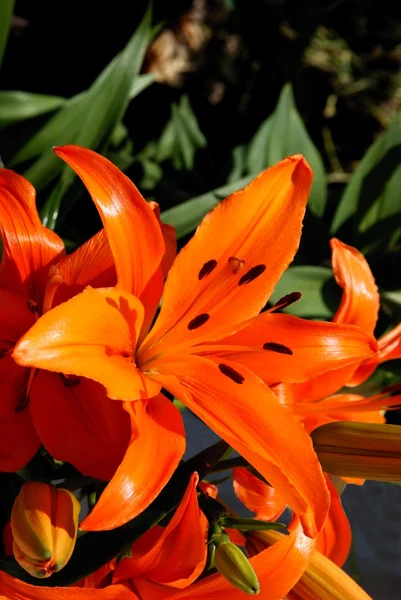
column 44, row 524
column 364, row 450
column 234, row 566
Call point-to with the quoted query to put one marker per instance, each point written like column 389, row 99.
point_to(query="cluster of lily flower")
column 86, row 357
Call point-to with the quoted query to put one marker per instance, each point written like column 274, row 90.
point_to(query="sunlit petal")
column 14, row 589
column 28, row 248
column 334, row 541
column 178, row 554
column 278, row 569
column 156, row 447
column 92, row 335
column 237, row 405
column 283, row 348
column 134, row 235
column 360, row 301
column 231, row 265
column 258, row 496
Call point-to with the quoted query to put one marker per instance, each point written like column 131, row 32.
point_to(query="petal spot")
column 32, row 306
column 276, row 347
column 237, row 264
column 207, row 268
column 198, row 321
column 287, row 300
column 252, row 274
column 70, row 381
column 231, row 373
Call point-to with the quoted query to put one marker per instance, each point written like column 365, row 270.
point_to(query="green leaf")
column 372, row 197
column 93, row 550
column 239, row 157
column 287, row 135
column 102, row 107
column 320, row 296
column 62, row 128
column 87, row 119
column 181, row 137
column 18, row 106
column 186, row 216
column 6, row 15
column 258, row 149
column 140, row 84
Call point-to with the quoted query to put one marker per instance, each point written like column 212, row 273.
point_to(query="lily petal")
column 14, row 589
column 240, row 408
column 177, row 557
column 92, row 335
column 283, row 348
column 258, row 496
column 18, row 438
column 278, row 569
column 77, row 423
column 230, row 277
column 389, row 349
column 360, row 302
column 135, row 237
column 28, row 248
column 170, row 240
column 16, row 317
column 316, row 388
column 334, row 541
column 157, row 434
column 91, row 264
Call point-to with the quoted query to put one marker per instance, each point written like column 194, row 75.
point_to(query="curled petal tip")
column 302, row 174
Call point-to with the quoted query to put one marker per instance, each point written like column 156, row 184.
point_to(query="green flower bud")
column 234, row 566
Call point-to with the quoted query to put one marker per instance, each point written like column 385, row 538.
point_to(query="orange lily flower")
column 172, row 556
column 313, row 401
column 278, row 569
column 207, row 346
column 71, row 417
column 323, row 577
column 165, row 562
column 334, row 541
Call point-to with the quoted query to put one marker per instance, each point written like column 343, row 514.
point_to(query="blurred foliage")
column 195, row 99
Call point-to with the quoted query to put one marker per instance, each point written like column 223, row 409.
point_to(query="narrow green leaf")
column 184, row 157
column 320, row 296
column 61, row 128
column 101, row 108
column 372, row 197
column 18, row 106
column 140, row 84
column 186, row 216
column 287, row 135
column 239, row 158
column 6, row 16
column 181, row 137
column 258, row 148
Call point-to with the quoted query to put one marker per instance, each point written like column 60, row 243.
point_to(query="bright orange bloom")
column 44, row 524
column 207, row 346
column 166, row 561
column 323, row 578
column 72, row 417
column 172, row 556
column 334, row 541
column 312, row 400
